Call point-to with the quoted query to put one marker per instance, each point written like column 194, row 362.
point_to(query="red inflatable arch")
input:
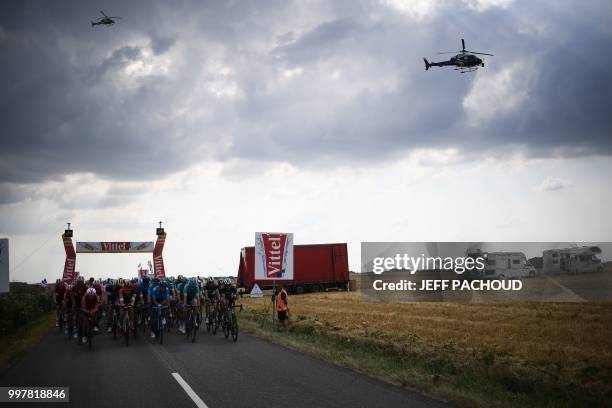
column 108, row 247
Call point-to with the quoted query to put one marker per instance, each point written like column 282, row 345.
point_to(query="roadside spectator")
column 282, row 306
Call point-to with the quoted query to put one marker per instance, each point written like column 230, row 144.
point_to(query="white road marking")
column 194, row 397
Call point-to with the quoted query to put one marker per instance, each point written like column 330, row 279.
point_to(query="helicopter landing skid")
column 463, row 70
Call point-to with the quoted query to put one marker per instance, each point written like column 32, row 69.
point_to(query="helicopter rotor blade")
column 481, row 53
column 447, row 52
column 114, row 17
column 103, row 13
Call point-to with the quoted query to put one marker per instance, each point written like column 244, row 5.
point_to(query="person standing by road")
column 282, row 306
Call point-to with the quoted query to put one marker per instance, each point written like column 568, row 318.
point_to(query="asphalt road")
column 248, row 373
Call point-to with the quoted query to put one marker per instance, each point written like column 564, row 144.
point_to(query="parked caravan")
column 503, row 265
column 572, row 260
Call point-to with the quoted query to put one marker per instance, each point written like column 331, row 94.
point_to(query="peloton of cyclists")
column 105, row 298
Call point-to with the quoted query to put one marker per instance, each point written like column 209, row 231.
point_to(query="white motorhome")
column 572, row 260
column 503, row 265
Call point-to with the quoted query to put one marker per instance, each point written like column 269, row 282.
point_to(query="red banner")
column 69, row 274
column 158, row 260
column 274, row 247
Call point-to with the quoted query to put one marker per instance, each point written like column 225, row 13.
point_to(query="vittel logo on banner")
column 274, row 255
column 115, row 246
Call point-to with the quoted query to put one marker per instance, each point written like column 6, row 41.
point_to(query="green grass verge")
column 487, row 383
column 17, row 343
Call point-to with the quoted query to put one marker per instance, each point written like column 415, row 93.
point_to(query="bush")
column 21, row 305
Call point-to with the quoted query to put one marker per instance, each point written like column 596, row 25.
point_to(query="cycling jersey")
column 230, row 294
column 179, row 289
column 79, row 290
column 90, row 302
column 160, row 296
column 69, row 298
column 112, row 292
column 127, row 293
column 60, row 292
column 151, row 289
column 190, row 292
column 98, row 289
column 211, row 291
column 143, row 289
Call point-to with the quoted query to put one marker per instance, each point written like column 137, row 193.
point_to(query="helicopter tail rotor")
column 427, row 64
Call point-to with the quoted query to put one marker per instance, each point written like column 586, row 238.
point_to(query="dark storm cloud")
column 161, row 44
column 174, row 84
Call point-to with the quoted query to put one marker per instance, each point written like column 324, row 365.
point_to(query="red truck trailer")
column 315, row 268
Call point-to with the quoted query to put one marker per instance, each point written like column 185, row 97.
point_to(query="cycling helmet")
column 120, row 282
column 91, row 291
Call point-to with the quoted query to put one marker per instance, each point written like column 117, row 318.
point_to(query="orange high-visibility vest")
column 281, row 305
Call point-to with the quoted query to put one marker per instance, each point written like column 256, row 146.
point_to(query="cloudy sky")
column 314, row 117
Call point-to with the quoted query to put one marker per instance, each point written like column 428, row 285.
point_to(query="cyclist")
column 154, row 283
column 100, row 292
column 211, row 294
column 89, row 305
column 128, row 295
column 143, row 288
column 178, row 295
column 69, row 304
column 228, row 293
column 78, row 290
column 159, row 296
column 59, row 294
column 190, row 295
column 96, row 285
column 233, row 293
column 112, row 296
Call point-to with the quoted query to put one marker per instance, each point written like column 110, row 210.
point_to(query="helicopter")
column 465, row 61
column 106, row 20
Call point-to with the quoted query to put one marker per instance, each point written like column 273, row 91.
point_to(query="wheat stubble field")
column 483, row 354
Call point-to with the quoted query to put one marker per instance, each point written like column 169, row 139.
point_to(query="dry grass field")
column 563, row 350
